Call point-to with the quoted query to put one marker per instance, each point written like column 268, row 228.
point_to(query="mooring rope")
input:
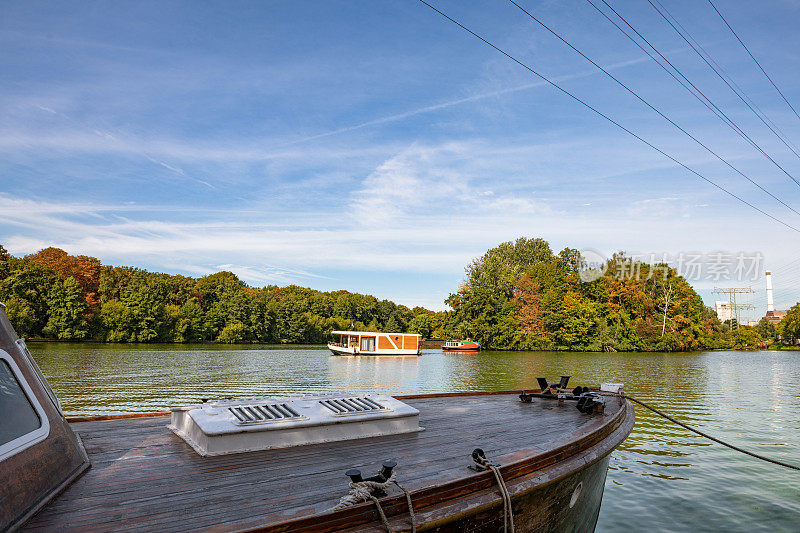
column 361, row 491
column 706, row 435
column 410, row 507
column 508, row 512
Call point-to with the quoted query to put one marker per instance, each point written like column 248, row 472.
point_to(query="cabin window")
column 23, row 421
column 18, row 415
column 367, row 344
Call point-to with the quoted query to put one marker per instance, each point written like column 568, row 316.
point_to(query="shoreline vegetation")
column 521, row 296
column 517, row 296
column 323, row 346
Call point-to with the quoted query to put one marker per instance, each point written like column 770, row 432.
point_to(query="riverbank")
column 783, row 347
column 427, row 344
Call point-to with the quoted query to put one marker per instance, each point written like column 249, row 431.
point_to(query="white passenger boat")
column 373, row 343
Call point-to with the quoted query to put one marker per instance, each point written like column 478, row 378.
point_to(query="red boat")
column 461, row 346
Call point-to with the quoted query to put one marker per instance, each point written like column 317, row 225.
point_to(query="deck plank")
column 146, row 478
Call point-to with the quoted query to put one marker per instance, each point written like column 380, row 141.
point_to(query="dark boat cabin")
column 39, row 453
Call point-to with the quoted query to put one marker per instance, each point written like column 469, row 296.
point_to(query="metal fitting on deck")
column 587, row 401
column 385, row 473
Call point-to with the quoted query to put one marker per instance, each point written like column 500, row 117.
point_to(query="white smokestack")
column 770, row 302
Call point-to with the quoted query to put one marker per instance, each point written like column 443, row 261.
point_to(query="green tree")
column 117, row 321
column 519, row 296
column 5, row 263
column 83, row 269
column 28, row 284
column 22, row 315
column 392, row 326
column 126, row 304
column 483, row 307
column 146, row 308
column 224, row 300
column 344, row 307
column 233, row 333
column 499, row 269
column 766, row 329
column 746, row 338
column 421, row 324
column 67, row 305
column 192, row 316
column 789, row 326
column 575, row 327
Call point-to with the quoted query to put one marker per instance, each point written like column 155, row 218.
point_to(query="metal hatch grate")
column 346, row 406
column 252, row 414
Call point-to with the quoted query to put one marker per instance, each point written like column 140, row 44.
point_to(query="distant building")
column 752, row 323
column 772, row 315
column 724, row 310
column 776, row 316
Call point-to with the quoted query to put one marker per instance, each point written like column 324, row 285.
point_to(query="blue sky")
column 376, row 147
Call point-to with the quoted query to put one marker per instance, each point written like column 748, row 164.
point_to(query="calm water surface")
column 662, row 478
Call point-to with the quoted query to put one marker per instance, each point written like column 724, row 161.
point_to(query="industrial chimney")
column 770, row 302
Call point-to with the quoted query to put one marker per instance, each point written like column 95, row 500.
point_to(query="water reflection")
column 388, row 374
column 661, row 477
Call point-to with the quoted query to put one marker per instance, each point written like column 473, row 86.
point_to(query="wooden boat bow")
column 146, row 478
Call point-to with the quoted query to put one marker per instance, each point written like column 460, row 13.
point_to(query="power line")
column 754, row 60
column 648, row 104
column 717, row 72
column 783, row 137
column 718, row 111
column 620, row 126
column 705, row 100
column 792, row 146
column 790, row 267
column 724, row 76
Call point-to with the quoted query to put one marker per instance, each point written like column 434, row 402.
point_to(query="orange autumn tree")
column 85, row 270
column 528, row 299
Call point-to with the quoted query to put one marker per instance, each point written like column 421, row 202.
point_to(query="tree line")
column 51, row 294
column 522, row 296
column 517, row 296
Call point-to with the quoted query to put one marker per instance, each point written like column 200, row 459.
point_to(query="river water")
column 662, row 478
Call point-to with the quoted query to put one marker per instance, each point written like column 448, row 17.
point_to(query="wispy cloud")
column 428, row 179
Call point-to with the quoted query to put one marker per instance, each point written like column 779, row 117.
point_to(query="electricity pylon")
column 732, row 292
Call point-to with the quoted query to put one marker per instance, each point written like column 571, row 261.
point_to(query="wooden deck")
column 145, row 478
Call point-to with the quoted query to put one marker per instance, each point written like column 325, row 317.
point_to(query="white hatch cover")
column 250, row 424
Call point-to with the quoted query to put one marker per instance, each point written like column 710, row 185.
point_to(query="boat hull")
column 565, row 496
column 461, row 350
column 467, row 347
column 543, row 509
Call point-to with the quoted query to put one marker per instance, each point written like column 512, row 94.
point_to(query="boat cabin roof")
column 372, row 333
column 39, row 453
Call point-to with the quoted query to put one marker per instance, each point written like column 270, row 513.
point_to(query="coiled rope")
column 508, row 512
column 706, row 435
column 362, row 491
